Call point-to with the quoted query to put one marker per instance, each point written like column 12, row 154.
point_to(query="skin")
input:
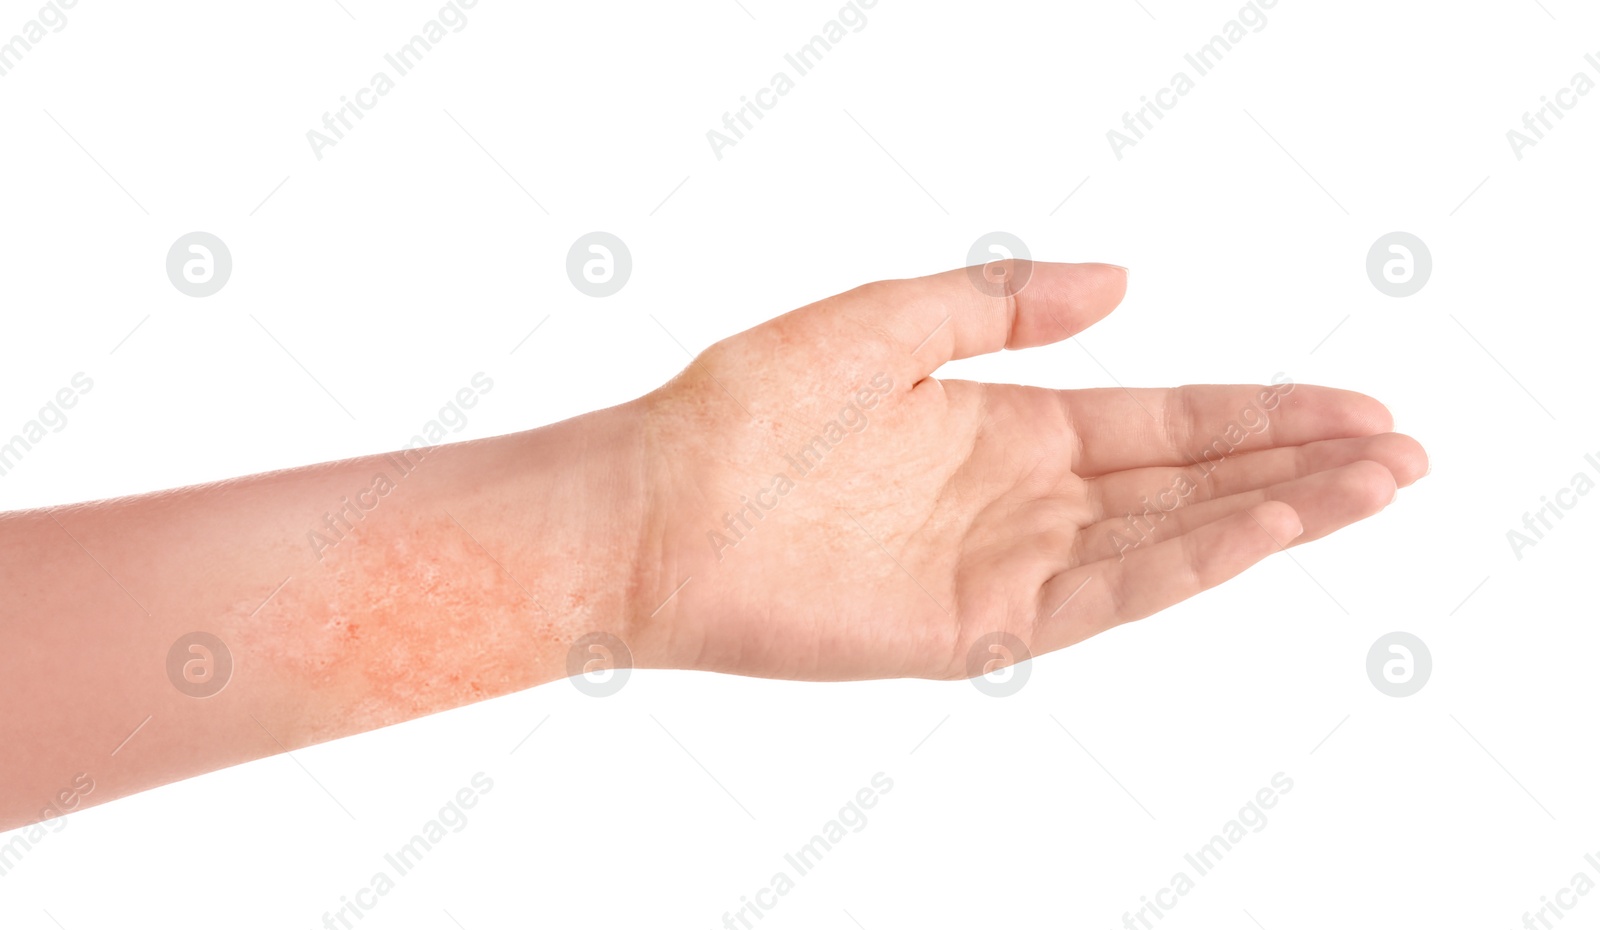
column 922, row 528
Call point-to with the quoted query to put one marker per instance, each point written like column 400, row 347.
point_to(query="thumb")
column 1010, row 304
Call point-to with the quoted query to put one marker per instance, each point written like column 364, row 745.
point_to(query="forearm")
column 348, row 596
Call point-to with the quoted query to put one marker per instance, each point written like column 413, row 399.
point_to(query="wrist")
column 589, row 540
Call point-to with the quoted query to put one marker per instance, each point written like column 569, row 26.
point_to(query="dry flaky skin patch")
column 392, row 625
column 471, row 579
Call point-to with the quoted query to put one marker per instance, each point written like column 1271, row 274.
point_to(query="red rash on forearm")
column 468, row 579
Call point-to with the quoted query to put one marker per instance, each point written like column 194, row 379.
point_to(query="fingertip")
column 1280, row 520
column 1369, row 485
column 1112, row 280
column 1369, row 415
column 1296, row 527
column 1061, row 300
column 1405, row 457
column 1338, row 413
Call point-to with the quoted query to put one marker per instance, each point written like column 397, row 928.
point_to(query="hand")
column 826, row 508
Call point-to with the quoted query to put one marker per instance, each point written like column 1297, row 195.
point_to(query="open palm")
column 825, row 508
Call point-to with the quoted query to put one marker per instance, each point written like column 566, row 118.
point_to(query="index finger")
column 1118, row 429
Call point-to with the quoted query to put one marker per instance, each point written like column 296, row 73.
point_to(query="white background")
column 411, row 256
